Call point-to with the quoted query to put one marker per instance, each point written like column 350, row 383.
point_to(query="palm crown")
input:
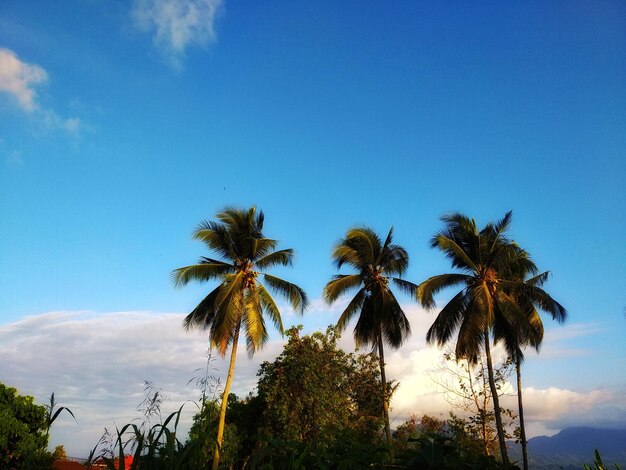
column 376, row 263
column 240, row 299
column 484, row 257
column 524, row 295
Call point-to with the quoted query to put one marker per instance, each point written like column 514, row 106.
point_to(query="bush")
column 23, row 432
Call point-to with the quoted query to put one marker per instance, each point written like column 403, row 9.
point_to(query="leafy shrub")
column 23, row 432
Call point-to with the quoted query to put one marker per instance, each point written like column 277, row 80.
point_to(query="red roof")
column 68, row 465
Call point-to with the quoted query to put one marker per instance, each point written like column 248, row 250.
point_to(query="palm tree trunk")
column 229, row 379
column 383, row 378
column 496, row 401
column 522, row 436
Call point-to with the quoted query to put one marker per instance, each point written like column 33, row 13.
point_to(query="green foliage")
column 59, row 453
column 598, row 464
column 281, row 454
column 470, row 394
column 203, row 434
column 23, row 432
column 442, row 444
column 154, row 448
column 321, row 401
column 52, row 412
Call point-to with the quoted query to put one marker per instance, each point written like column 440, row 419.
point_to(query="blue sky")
column 123, row 124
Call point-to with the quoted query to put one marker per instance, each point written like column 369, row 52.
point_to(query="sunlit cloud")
column 96, row 363
column 19, row 80
column 177, row 24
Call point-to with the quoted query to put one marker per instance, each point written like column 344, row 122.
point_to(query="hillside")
column 572, row 447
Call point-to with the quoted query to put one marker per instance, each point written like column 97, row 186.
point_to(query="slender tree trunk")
column 522, row 429
column 481, row 411
column 383, row 378
column 496, row 401
column 229, row 379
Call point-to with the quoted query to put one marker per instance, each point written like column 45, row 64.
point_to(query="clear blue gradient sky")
column 123, row 136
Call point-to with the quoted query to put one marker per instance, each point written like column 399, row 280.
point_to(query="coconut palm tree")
column 240, row 300
column 381, row 319
column 524, row 326
column 483, row 257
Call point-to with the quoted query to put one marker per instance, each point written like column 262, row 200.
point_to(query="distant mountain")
column 572, row 447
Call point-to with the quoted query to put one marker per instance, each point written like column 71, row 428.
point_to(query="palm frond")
column 508, row 323
column 353, row 307
column 388, row 239
column 496, row 231
column 394, row 260
column 545, row 302
column 431, row 286
column 471, row 337
column 359, row 249
column 458, row 257
column 204, row 271
column 230, row 216
column 270, row 307
column 346, row 254
column 230, row 307
column 448, row 320
column 406, row 286
column 538, row 280
column 217, row 237
column 260, row 219
column 368, row 324
column 366, row 240
column 339, row 285
column 254, row 325
column 259, row 247
column 203, row 315
column 280, row 257
column 463, row 231
column 292, row 292
column 395, row 325
column 533, row 333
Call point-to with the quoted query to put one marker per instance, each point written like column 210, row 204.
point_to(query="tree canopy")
column 23, row 432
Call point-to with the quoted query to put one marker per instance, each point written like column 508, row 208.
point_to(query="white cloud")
column 19, row 79
column 96, row 364
column 556, row 408
column 177, row 24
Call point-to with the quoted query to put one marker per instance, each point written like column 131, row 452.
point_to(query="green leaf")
column 339, row 285
column 292, row 292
